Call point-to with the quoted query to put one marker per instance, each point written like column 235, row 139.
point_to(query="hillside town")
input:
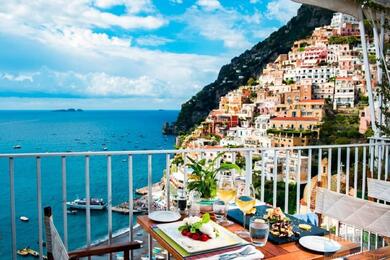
column 288, row 102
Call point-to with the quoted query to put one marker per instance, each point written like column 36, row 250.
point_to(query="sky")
column 124, row 54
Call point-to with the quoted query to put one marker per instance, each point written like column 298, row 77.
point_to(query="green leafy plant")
column 203, row 178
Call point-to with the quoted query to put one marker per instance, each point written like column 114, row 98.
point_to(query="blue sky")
column 124, row 54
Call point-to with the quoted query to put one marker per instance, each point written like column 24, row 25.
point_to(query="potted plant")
column 204, row 176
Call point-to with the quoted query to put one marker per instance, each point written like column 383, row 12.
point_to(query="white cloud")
column 59, row 14
column 234, row 29
column 209, row 5
column 17, row 77
column 98, row 84
column 152, row 40
column 179, row 2
column 281, row 10
column 132, row 6
column 82, row 60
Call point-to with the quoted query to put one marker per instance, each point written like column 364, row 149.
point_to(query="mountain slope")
column 249, row 64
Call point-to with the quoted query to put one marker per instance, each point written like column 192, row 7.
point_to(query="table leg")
column 150, row 240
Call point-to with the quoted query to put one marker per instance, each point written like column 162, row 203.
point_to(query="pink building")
column 365, row 120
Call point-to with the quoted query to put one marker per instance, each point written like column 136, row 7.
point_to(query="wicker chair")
column 57, row 251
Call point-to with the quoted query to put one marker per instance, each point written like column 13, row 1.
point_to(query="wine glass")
column 226, row 191
column 245, row 201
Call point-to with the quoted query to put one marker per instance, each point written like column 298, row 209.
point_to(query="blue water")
column 46, row 131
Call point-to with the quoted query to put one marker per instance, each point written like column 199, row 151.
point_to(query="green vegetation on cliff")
column 249, row 64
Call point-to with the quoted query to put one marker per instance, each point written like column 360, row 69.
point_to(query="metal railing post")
column 64, row 199
column 39, row 206
column 168, row 181
column 248, row 172
column 338, row 184
column 109, row 199
column 150, row 197
column 185, row 182
column 364, row 172
column 88, row 202
column 329, row 168
column 355, row 173
column 275, row 177
column 309, row 179
column 287, row 181
column 386, row 162
column 262, row 176
column 12, row 205
column 298, row 183
column 347, row 170
column 131, row 201
column 319, row 169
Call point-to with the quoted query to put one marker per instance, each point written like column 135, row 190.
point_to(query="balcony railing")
column 267, row 168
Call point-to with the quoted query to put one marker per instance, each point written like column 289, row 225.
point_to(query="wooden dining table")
column 291, row 250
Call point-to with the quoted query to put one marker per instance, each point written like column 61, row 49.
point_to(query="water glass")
column 219, row 210
column 258, row 230
column 195, row 198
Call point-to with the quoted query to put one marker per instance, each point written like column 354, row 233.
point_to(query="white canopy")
column 350, row 7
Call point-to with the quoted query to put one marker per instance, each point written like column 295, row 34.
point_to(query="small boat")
column 94, row 204
column 105, row 148
column 32, row 252
column 18, row 146
column 71, row 212
column 22, row 252
column 24, row 218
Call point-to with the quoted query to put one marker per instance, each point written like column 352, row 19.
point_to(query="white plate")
column 164, row 216
column 319, row 244
column 225, row 238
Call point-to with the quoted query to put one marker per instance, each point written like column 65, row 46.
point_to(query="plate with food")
column 196, row 234
column 280, row 225
column 284, row 228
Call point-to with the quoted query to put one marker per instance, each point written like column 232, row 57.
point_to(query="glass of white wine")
column 245, row 201
column 226, row 191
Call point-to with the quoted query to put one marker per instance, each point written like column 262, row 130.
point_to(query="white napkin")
column 257, row 254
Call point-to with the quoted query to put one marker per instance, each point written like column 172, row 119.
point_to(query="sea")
column 50, row 131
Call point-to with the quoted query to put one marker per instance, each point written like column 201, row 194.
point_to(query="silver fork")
column 244, row 252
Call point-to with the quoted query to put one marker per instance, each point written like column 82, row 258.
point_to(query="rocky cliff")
column 249, row 64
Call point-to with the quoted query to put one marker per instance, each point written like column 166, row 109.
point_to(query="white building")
column 335, row 51
column 339, row 19
column 323, row 90
column 316, row 74
column 345, row 92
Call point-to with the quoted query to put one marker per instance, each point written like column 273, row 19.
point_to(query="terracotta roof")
column 212, row 147
column 298, row 118
column 313, row 101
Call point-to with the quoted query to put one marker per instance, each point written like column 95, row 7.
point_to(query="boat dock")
column 123, row 208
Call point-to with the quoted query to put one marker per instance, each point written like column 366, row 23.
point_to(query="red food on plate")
column 204, row 237
column 186, row 232
column 195, row 236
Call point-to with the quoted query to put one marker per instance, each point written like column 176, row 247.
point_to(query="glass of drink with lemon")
column 226, row 192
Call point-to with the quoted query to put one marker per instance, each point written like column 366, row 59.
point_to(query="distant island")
column 69, row 110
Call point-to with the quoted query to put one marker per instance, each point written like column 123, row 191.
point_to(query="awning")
column 350, row 7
